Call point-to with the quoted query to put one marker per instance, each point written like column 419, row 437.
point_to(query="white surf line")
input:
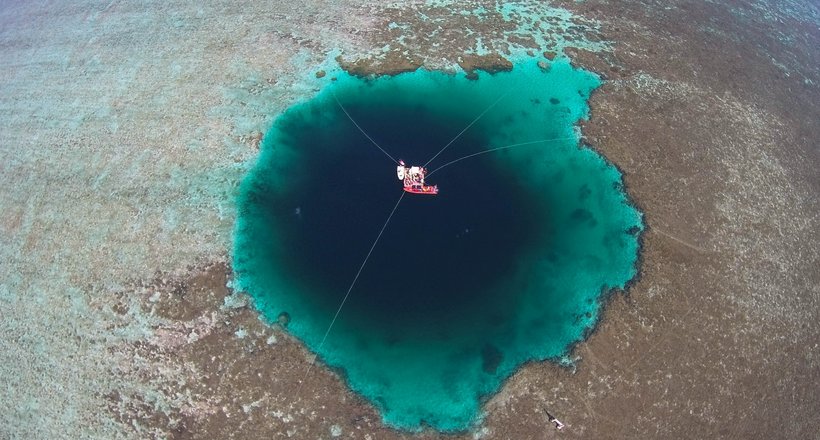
column 467, row 127
column 499, row 148
column 362, row 130
column 344, row 300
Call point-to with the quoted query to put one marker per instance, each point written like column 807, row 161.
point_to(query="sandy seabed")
column 125, row 129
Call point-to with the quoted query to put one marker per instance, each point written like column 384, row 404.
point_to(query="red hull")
column 422, row 189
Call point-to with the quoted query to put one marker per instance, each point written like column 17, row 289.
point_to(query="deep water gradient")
column 506, row 265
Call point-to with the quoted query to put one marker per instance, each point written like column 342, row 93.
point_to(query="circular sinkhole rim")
column 600, row 299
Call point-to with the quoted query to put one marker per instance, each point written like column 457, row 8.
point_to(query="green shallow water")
column 508, row 264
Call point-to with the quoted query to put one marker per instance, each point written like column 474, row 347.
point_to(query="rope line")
column 496, row 149
column 362, row 130
column 393, row 211
column 466, row 128
column 344, row 300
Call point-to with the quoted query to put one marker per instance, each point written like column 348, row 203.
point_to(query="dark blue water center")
column 505, row 265
column 438, row 254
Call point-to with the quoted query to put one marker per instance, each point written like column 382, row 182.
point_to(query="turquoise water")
column 508, row 264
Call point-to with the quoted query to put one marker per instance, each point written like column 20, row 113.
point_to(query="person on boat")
column 413, row 179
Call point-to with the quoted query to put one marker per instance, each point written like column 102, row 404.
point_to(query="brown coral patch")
column 492, row 63
column 392, row 63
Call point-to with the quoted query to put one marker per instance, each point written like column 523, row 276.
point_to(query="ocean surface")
column 508, row 264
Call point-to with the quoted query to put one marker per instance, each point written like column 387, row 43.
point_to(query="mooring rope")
column 499, row 148
column 362, row 130
column 344, row 300
column 466, row 128
column 393, row 211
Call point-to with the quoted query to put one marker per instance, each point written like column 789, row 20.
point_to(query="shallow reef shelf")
column 506, row 265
